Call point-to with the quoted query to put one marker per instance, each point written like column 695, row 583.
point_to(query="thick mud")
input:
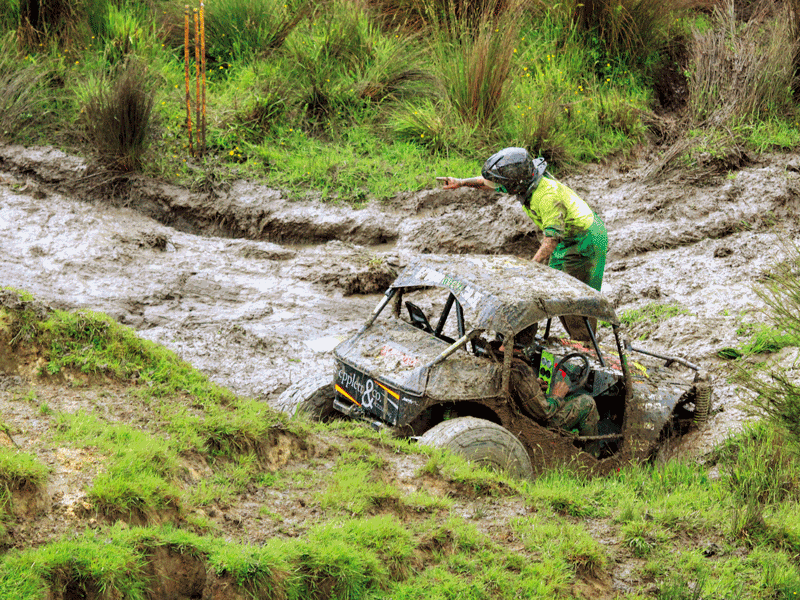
column 255, row 289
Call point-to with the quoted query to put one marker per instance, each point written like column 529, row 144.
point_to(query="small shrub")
column 117, row 119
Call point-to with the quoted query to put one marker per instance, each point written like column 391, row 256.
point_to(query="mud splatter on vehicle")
column 433, row 361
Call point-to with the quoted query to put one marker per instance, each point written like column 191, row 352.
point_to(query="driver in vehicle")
column 557, row 409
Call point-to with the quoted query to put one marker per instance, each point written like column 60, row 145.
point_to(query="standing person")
column 575, row 239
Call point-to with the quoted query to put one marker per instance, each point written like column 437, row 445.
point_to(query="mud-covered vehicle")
column 433, row 361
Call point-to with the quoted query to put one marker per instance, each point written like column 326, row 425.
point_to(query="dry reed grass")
column 743, row 70
column 44, row 20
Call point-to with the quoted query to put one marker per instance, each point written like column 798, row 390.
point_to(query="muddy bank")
column 255, row 289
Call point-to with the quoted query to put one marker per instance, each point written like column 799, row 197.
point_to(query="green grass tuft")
column 19, row 471
column 654, row 312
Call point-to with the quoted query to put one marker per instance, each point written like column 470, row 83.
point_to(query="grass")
column 353, row 100
column 763, row 339
column 95, row 345
column 654, row 312
column 142, row 470
column 19, row 471
column 355, row 489
column 139, row 469
column 642, row 320
column 372, row 539
column 319, row 107
column 773, row 387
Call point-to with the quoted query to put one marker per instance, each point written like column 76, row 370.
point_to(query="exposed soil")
column 255, row 290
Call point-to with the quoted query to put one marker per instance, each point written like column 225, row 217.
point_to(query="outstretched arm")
column 451, row 183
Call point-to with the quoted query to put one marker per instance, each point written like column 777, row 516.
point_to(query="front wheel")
column 482, row 441
column 312, row 396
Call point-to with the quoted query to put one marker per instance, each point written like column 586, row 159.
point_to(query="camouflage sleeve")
column 526, row 391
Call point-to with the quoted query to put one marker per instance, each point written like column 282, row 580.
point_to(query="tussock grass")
column 237, row 30
column 117, row 119
column 475, row 58
column 41, row 21
column 632, row 28
column 740, row 83
column 23, row 92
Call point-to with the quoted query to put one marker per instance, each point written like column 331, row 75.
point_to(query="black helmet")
column 512, row 168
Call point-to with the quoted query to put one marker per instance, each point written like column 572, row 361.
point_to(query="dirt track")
column 254, row 289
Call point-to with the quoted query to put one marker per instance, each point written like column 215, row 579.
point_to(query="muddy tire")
column 481, row 441
column 312, row 396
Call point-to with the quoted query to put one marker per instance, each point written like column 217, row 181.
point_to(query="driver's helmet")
column 512, row 168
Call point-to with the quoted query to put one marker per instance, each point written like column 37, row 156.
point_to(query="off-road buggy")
column 433, row 362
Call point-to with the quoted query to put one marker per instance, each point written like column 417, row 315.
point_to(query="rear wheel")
column 482, row 441
column 312, row 396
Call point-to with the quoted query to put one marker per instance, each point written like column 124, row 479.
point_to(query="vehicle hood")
column 393, row 351
column 399, row 354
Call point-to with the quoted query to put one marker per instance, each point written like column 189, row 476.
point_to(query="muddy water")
column 255, row 290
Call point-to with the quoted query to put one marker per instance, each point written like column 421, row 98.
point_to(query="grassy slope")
column 347, row 108
column 156, row 471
